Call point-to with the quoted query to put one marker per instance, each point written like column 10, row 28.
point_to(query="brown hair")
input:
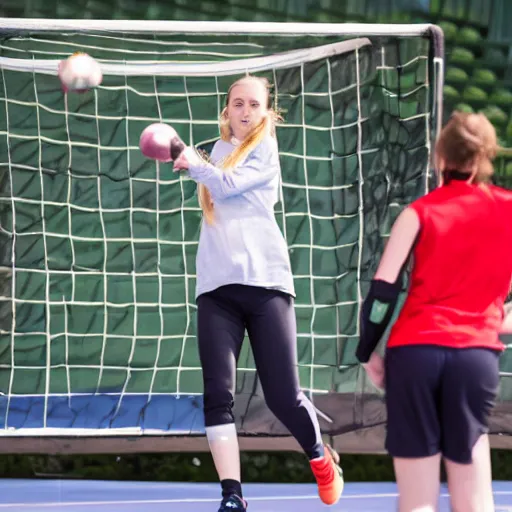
column 267, row 126
column 467, row 144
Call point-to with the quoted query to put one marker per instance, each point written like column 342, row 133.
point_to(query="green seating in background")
column 468, row 37
column 449, row 29
column 476, row 78
column 494, row 57
column 475, row 95
column 464, row 107
column 502, row 97
column 496, row 115
column 484, row 78
column 451, row 94
column 461, row 56
column 456, row 76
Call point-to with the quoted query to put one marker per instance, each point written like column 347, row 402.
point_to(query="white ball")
column 79, row 73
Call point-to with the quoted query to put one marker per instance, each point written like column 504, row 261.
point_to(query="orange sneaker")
column 329, row 476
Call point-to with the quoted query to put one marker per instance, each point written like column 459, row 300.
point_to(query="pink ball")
column 79, row 73
column 158, row 142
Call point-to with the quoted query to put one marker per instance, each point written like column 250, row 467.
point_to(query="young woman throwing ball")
column 245, row 283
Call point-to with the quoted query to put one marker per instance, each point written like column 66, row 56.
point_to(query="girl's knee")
column 218, row 407
column 283, row 404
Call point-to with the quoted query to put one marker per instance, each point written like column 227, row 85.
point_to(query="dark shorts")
column 439, row 400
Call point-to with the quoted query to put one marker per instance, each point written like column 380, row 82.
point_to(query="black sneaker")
column 233, row 504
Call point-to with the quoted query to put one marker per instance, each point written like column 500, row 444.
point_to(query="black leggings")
column 269, row 317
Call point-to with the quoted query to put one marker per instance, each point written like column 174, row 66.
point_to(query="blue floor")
column 89, row 496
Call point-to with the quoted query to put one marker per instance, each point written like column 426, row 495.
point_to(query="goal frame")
column 130, row 440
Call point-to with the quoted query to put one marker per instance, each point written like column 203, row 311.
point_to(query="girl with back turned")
column 441, row 370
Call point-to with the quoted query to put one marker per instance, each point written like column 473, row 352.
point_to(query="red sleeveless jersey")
column 462, row 269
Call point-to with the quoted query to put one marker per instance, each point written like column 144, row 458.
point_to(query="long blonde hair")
column 467, row 144
column 257, row 134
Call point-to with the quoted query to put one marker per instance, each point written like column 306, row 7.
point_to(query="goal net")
column 97, row 310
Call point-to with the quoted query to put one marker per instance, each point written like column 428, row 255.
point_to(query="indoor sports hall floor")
column 94, row 496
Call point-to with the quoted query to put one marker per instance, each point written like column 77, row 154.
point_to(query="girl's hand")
column 187, row 158
column 375, row 370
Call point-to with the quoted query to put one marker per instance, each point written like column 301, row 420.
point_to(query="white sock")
column 223, row 442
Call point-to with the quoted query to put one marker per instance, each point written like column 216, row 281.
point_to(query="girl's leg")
column 418, row 483
column 271, row 325
column 470, row 485
column 470, row 387
column 220, row 333
column 413, row 383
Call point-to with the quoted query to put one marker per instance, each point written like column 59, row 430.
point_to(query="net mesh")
column 97, row 312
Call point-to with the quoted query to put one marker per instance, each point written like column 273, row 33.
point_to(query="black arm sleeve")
column 376, row 313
